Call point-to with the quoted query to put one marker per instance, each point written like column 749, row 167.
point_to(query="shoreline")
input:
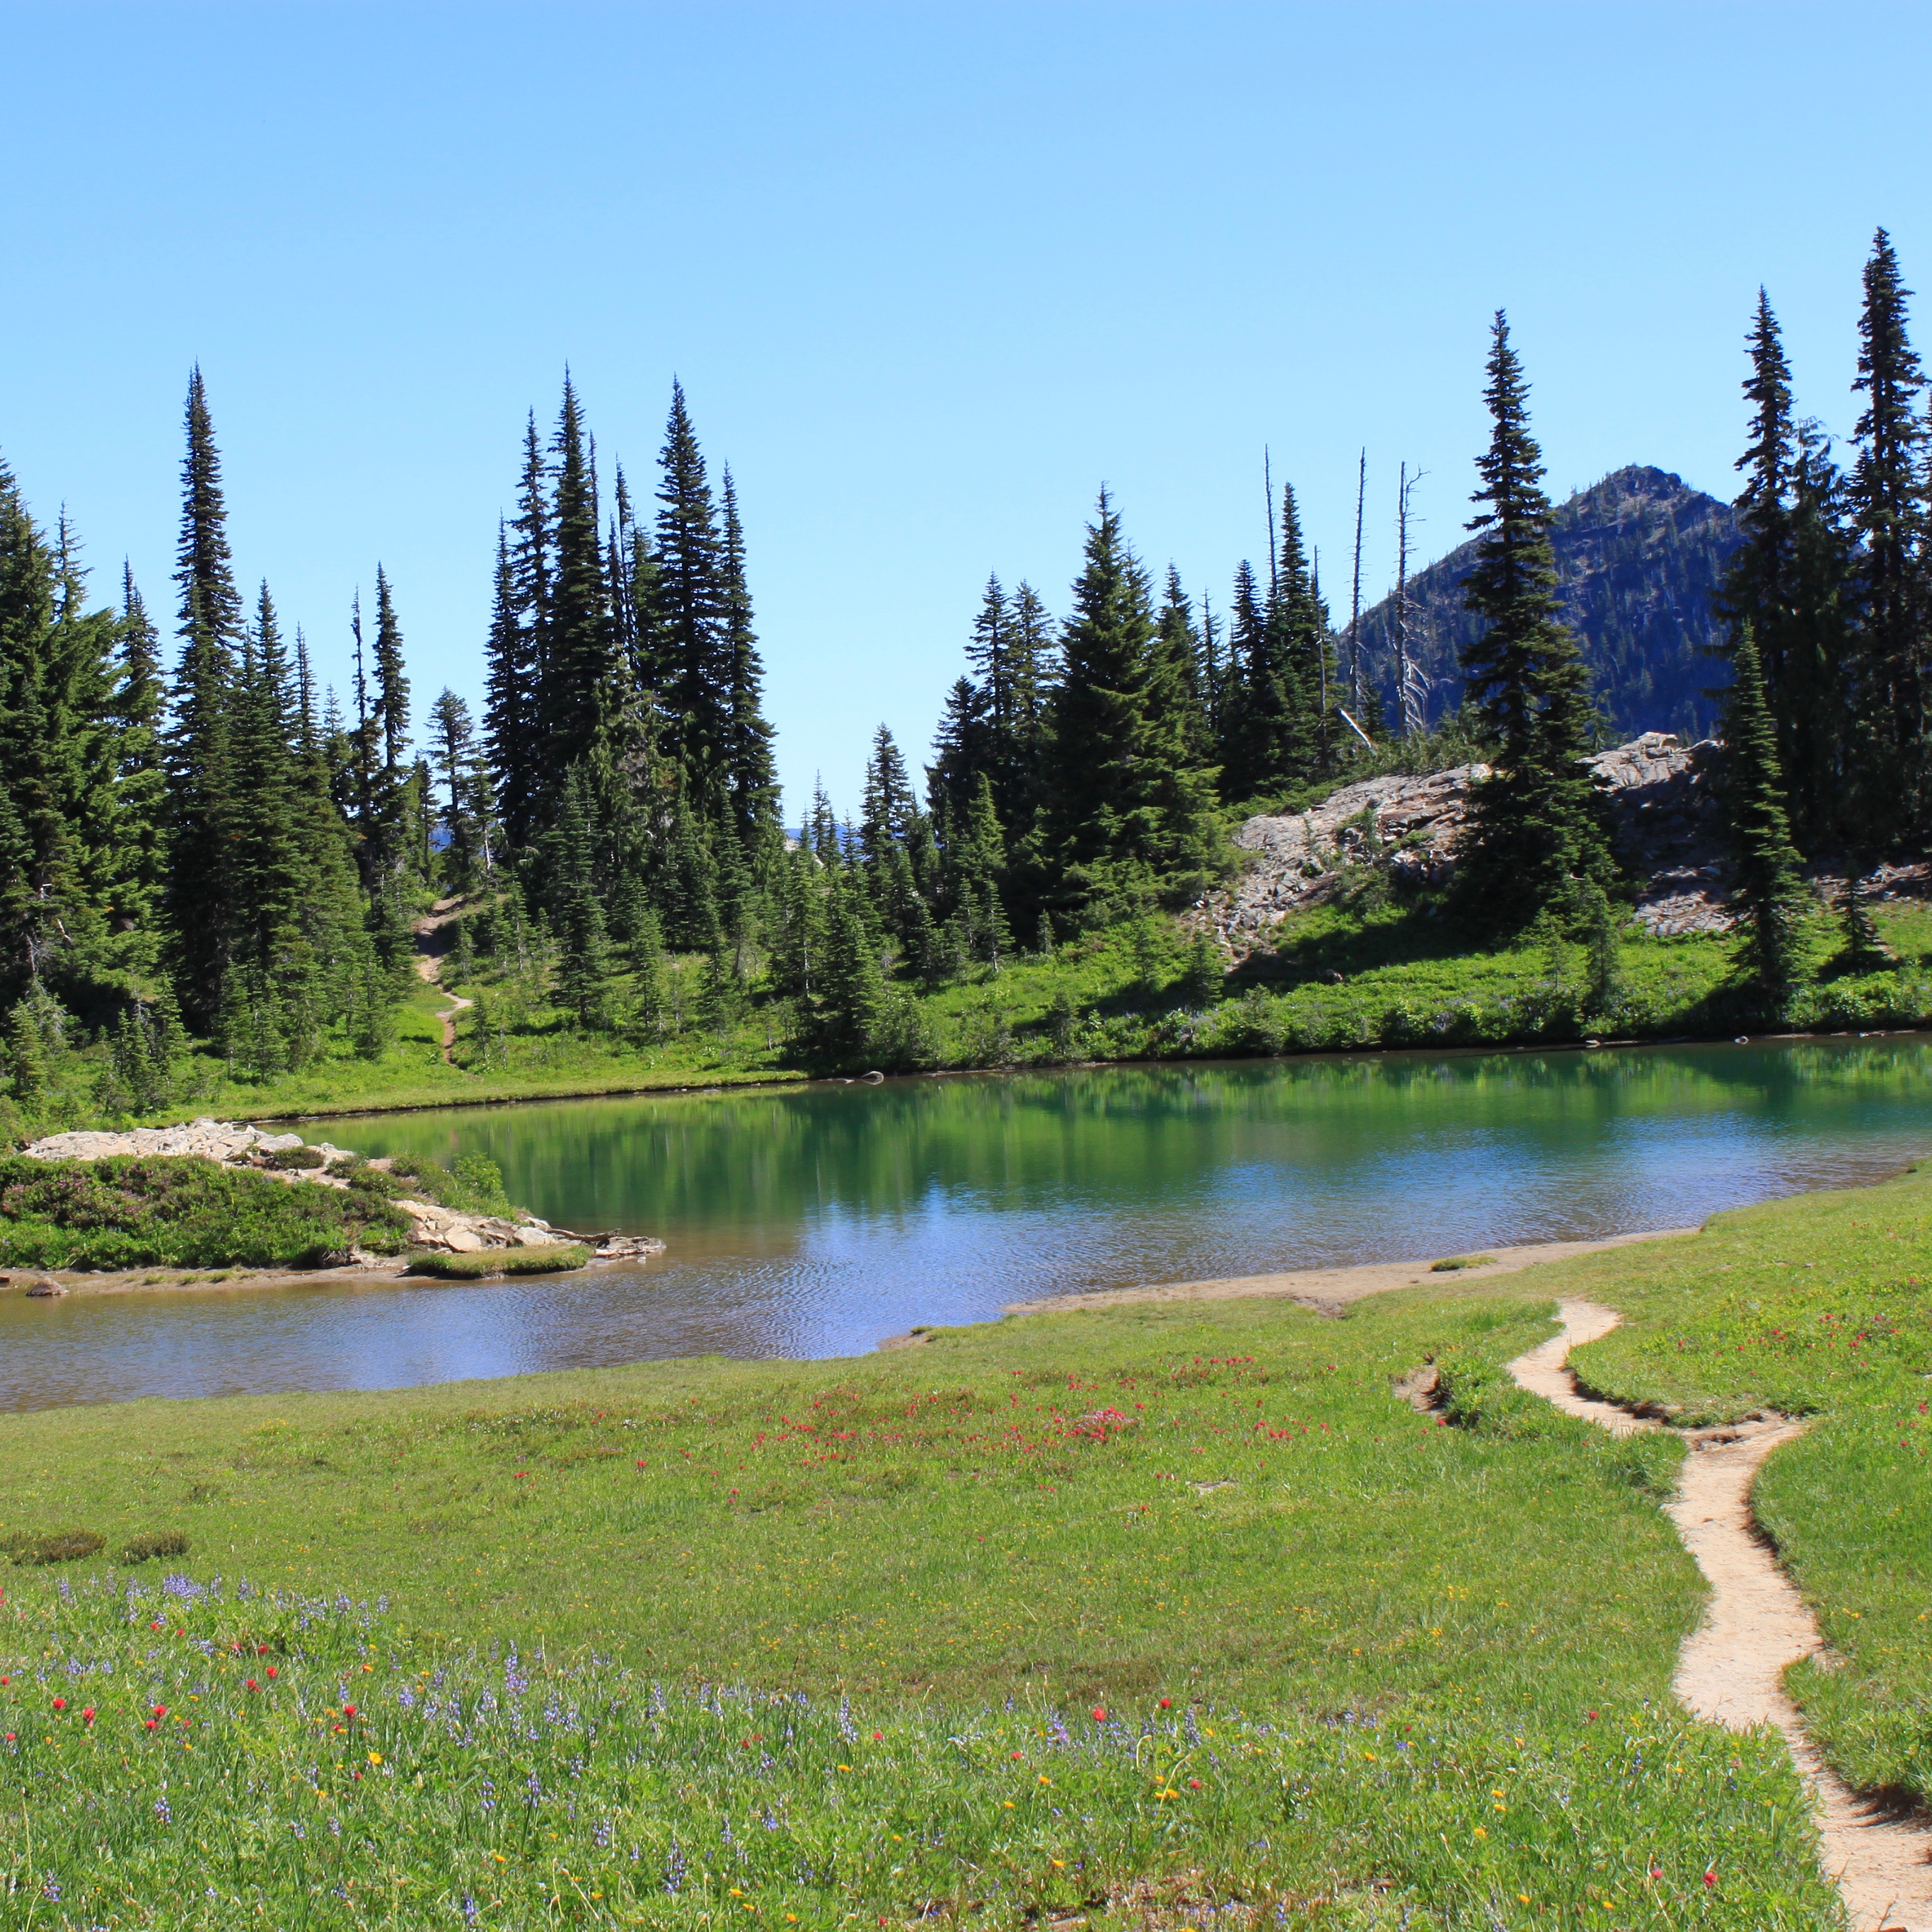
column 1325, row 1290
column 716, row 1089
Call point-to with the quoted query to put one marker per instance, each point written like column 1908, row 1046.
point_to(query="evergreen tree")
column 200, row 900
column 1535, row 825
column 578, row 690
column 852, row 1002
column 508, row 726
column 962, row 750
column 1863, row 951
column 693, row 677
column 583, row 986
column 1768, row 888
column 1891, row 776
column 751, row 772
column 140, row 840
column 453, row 738
column 1243, row 764
column 1788, row 580
column 1124, row 808
column 1177, row 650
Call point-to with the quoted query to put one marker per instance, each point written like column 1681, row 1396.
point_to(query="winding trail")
column 429, row 949
column 1731, row 1669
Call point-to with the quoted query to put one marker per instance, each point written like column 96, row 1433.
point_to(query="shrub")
column 292, row 1159
column 67, row 1546
column 156, row 1543
column 181, row 1211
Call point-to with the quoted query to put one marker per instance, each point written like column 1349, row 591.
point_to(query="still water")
column 814, row 1221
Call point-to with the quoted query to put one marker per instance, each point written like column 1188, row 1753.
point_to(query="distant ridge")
column 1639, row 556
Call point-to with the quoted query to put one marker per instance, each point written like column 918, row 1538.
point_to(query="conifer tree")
column 1891, row 763
column 962, row 750
column 1768, row 888
column 1787, row 581
column 1177, row 647
column 1125, row 808
column 1864, row 950
column 750, row 773
column 693, row 676
column 852, row 1000
column 138, row 700
column 578, row 691
column 201, row 904
column 509, row 726
column 584, row 965
column 1535, row 828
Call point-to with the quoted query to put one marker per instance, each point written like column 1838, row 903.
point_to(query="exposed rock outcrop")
column 1660, row 792
column 235, row 1144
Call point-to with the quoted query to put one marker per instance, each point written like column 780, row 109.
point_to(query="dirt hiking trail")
column 1731, row 1669
column 431, row 946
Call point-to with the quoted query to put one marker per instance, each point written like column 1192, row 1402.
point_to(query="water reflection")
column 814, row 1221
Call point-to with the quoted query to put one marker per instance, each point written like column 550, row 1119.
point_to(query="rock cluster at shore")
column 236, row 1144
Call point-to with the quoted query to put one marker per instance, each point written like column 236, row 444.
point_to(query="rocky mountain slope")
column 1639, row 556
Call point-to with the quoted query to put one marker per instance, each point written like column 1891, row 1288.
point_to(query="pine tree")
column 1122, row 807
column 1864, row 950
column 584, row 966
column 1243, row 763
column 693, row 674
column 1177, row 650
column 1768, row 888
column 962, row 750
column 201, row 907
column 852, row 1000
column 751, row 772
column 138, row 709
column 1787, row 581
column 1535, row 828
column 578, row 691
column 1891, row 763
column 453, row 738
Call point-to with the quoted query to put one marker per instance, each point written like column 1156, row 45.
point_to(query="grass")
column 181, row 1211
column 1406, row 979
column 1820, row 1306
column 1418, row 1664
column 552, row 1260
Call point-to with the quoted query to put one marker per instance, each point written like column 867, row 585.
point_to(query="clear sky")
column 930, row 275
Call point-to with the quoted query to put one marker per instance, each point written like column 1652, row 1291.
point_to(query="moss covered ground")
column 823, row 1644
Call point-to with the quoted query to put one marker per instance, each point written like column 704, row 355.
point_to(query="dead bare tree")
column 1411, row 685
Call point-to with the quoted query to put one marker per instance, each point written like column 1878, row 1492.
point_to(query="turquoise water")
column 815, row 1221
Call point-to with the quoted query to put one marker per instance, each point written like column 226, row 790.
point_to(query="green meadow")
column 1137, row 1614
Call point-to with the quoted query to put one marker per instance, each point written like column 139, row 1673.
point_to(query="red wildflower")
column 1100, row 1714
column 1016, row 1757
column 87, row 1716
column 1711, row 1876
column 252, row 1685
column 160, row 1710
column 271, row 1670
column 60, row 1703
column 349, row 1710
column 1194, row 1784
column 147, row 1723
column 1167, row 1703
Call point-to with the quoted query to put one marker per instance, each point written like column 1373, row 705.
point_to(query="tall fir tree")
column 1892, row 760
column 1766, row 884
column 200, row 899
column 693, row 673
column 1536, row 826
column 1125, row 809
column 578, row 690
column 1788, row 580
column 751, row 771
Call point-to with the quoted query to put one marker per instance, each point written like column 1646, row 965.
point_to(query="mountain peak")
column 1639, row 555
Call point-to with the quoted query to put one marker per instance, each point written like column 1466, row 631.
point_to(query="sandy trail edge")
column 1328, row 1289
column 1731, row 1668
column 429, row 970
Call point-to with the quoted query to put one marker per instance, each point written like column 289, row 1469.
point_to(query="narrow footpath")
column 1731, row 1669
column 431, row 946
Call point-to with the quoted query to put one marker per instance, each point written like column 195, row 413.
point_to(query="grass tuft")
column 565, row 1256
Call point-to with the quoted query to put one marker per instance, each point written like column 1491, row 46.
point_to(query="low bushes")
column 181, row 1211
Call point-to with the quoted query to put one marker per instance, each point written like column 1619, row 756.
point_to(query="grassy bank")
column 1359, row 1666
column 1339, row 980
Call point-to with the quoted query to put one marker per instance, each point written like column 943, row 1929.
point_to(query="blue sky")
column 930, row 274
